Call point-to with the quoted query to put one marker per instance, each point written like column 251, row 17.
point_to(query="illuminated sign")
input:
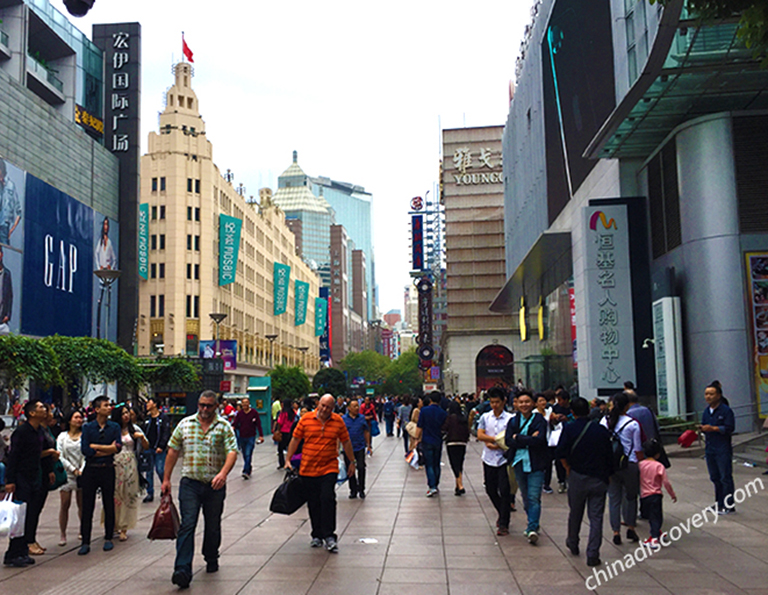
column 88, row 121
column 417, row 230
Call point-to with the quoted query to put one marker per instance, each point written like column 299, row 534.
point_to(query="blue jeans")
column 194, row 495
column 432, row 454
column 156, row 464
column 390, row 423
column 720, row 466
column 2, row 474
column 247, row 444
column 530, row 484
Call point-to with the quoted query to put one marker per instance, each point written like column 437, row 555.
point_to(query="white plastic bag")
column 12, row 517
column 413, row 458
column 342, row 476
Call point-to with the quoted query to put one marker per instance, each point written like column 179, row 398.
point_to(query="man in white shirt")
column 495, row 474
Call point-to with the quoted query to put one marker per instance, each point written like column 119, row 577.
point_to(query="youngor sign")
column 229, row 247
column 282, row 278
column 301, row 296
column 608, row 281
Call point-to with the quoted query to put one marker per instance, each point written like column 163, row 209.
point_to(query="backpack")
column 620, row 458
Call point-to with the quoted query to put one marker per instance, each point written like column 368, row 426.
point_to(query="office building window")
column 161, row 270
column 189, row 184
column 189, row 306
column 189, row 271
column 152, row 271
column 154, row 213
column 160, row 305
column 162, row 184
column 189, row 213
column 154, row 184
column 197, row 243
column 197, row 271
column 189, row 242
column 197, row 186
column 162, row 211
column 197, row 213
column 162, row 241
column 197, row 306
column 152, row 306
column 153, row 242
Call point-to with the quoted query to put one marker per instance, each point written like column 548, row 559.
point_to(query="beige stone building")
column 186, row 193
column 473, row 197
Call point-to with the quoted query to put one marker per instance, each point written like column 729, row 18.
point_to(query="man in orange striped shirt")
column 321, row 430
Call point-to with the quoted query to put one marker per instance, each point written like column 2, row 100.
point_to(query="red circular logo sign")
column 417, row 203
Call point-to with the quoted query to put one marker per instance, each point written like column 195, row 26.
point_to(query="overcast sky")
column 360, row 90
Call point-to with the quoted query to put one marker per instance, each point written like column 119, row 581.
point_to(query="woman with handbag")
column 127, row 487
column 68, row 445
column 281, row 430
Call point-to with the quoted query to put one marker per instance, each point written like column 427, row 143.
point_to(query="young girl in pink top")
column 652, row 476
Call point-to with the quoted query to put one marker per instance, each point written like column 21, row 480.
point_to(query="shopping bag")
column 687, row 438
column 166, row 523
column 59, row 476
column 412, row 458
column 342, row 476
column 12, row 517
column 375, row 431
column 289, row 496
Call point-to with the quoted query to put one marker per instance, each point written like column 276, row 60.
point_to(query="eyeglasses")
column 207, row 405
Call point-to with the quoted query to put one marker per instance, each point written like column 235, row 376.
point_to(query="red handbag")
column 166, row 523
column 687, row 438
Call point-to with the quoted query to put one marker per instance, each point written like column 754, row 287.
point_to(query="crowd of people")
column 600, row 451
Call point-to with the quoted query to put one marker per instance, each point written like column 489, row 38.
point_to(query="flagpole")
column 183, row 57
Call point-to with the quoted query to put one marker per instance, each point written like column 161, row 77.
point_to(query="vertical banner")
column 757, row 279
column 324, row 326
column 229, row 246
column 608, row 281
column 282, row 277
column 301, row 295
column 321, row 316
column 144, row 241
column 417, row 230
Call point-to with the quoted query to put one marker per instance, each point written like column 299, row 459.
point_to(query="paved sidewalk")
column 439, row 546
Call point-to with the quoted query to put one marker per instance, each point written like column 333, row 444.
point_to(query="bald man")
column 321, row 431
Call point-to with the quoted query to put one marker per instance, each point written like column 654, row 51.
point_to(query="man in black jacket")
column 24, row 477
column 585, row 451
column 157, row 428
column 526, row 438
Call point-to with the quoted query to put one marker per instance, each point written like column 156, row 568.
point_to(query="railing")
column 46, row 73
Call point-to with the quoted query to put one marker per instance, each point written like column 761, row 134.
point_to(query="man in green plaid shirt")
column 206, row 442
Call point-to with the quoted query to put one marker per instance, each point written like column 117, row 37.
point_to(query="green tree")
column 366, row 364
column 404, row 376
column 330, row 380
column 174, row 372
column 289, row 382
column 752, row 15
column 22, row 358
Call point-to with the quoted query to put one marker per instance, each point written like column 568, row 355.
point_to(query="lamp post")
column 106, row 278
column 271, row 339
column 217, row 317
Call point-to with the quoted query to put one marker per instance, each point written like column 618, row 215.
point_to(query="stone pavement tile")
column 339, row 575
column 227, row 572
column 352, row 584
column 555, row 578
column 356, row 561
column 746, row 579
column 414, row 561
column 312, row 557
column 252, row 547
column 731, row 590
column 471, row 550
column 497, row 562
column 481, row 538
column 415, row 589
column 691, row 580
column 460, row 576
column 273, row 572
column 25, row 584
column 611, row 589
column 269, row 587
column 418, row 550
column 508, row 587
column 400, row 540
column 413, row 575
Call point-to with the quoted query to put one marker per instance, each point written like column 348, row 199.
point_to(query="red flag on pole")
column 185, row 49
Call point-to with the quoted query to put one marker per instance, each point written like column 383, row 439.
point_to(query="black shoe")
column 353, row 496
column 84, row 550
column 181, row 579
column 362, row 495
column 594, row 561
column 457, row 492
column 19, row 562
column 28, row 560
column 632, row 536
column 574, row 549
column 211, row 567
column 148, row 499
column 617, row 539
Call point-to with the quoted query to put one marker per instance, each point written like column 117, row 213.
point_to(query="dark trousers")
column 194, row 495
column 390, row 424
column 622, row 496
column 586, row 492
column 652, row 507
column 432, row 453
column 357, row 481
column 406, row 440
column 247, row 445
column 156, row 465
column 562, row 476
column 282, row 447
column 497, row 487
column 321, row 502
column 94, row 478
column 720, row 466
column 34, row 495
column 456, row 454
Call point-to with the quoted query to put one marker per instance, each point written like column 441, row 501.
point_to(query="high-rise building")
column 186, row 197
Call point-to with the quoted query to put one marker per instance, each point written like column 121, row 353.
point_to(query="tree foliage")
column 176, row 372
column 289, row 382
column 330, row 380
column 404, row 376
column 366, row 364
column 752, row 15
column 23, row 357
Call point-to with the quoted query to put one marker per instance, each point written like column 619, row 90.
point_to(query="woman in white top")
column 127, row 488
column 68, row 446
column 625, row 483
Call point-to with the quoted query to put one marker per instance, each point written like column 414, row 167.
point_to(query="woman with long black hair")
column 456, row 428
column 624, row 486
column 127, row 487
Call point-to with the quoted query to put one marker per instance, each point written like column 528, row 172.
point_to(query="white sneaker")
column 316, row 542
column 533, row 537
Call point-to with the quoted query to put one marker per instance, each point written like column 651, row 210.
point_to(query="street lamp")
column 217, row 317
column 106, row 278
column 271, row 339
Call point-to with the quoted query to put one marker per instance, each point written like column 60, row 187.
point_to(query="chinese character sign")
column 282, row 276
column 608, row 280
column 229, row 246
column 417, row 229
column 321, row 315
column 301, row 295
column 144, row 240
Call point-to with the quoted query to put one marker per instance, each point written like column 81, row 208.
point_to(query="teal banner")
column 321, row 316
column 144, row 241
column 281, row 282
column 229, row 246
column 301, row 295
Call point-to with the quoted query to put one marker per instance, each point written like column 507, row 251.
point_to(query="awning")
column 547, row 265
